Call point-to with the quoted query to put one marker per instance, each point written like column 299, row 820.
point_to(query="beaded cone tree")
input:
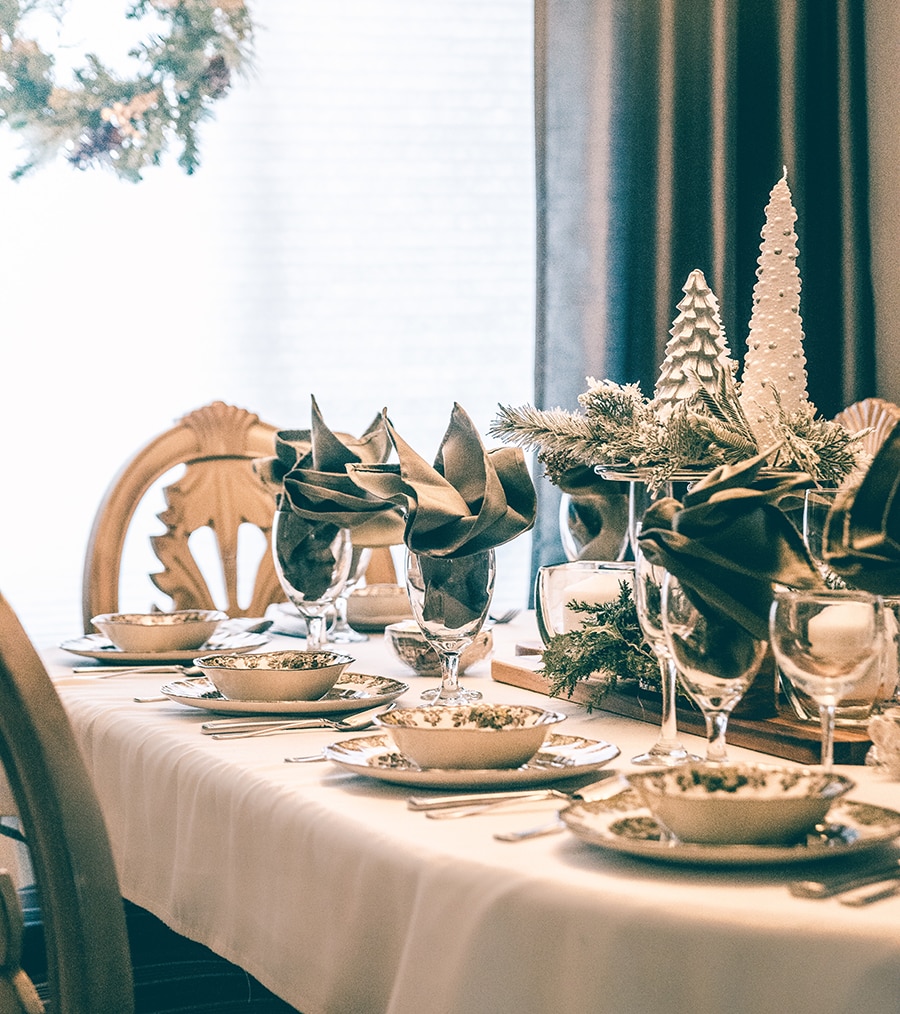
column 697, row 353
column 774, row 378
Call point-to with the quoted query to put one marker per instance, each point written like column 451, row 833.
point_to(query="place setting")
column 158, row 637
column 289, row 682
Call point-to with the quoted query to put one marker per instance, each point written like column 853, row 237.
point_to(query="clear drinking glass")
column 668, row 750
column 450, row 598
column 341, row 632
column 717, row 659
column 312, row 564
column 824, row 642
column 817, row 504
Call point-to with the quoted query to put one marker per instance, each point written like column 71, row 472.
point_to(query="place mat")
column 783, row 735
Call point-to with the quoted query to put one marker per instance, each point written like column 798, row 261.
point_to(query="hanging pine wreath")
column 183, row 67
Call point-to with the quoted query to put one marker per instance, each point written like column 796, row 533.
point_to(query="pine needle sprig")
column 607, row 648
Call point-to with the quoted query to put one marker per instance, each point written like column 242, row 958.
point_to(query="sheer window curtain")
column 361, row 228
column 661, row 128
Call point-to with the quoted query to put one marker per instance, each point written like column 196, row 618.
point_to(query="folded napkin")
column 293, row 448
column 729, row 544
column 862, row 531
column 318, row 489
column 598, row 514
column 469, row 501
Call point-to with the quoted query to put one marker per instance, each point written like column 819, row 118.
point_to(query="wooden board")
column 782, row 736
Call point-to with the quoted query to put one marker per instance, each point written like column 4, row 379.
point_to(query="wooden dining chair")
column 216, row 490
column 97, row 953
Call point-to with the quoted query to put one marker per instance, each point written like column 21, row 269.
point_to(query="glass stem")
column 668, row 726
column 716, row 724
column 315, row 632
column 340, row 611
column 449, row 673
column 826, row 717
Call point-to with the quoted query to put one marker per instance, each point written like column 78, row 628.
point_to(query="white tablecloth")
column 340, row 899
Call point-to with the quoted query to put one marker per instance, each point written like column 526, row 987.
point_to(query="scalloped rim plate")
column 353, row 692
column 623, row 824
column 99, row 647
column 560, row 757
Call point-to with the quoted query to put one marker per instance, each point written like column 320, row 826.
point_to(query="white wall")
column 361, row 228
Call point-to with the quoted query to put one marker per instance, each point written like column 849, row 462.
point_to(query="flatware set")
column 243, row 728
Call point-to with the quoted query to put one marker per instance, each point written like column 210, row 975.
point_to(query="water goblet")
column 450, row 598
column 312, row 562
column 668, row 750
column 716, row 657
column 824, row 643
column 341, row 632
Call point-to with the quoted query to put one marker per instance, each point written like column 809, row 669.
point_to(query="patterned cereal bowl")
column 472, row 736
column 274, row 675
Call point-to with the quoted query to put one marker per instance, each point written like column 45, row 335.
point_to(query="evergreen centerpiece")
column 700, row 416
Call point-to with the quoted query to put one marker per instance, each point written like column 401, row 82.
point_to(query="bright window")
column 361, row 228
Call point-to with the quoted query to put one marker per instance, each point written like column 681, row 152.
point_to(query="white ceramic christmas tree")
column 697, row 353
column 775, row 361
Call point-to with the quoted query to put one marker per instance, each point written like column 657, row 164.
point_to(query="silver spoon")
column 361, row 720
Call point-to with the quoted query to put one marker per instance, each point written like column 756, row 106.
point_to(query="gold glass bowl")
column 409, row 645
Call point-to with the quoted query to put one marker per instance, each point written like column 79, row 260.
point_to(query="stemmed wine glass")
column 717, row 659
column 824, row 643
column 450, row 598
column 667, row 751
column 341, row 632
column 312, row 563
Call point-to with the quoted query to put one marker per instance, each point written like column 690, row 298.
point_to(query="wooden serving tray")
column 781, row 736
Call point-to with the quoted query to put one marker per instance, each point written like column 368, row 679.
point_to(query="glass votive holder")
column 877, row 690
column 884, row 731
column 594, row 582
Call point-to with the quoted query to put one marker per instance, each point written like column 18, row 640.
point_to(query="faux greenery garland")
column 619, row 428
column 183, row 67
column 609, row 647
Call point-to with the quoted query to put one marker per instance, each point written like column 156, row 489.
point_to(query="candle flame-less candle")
column 596, row 590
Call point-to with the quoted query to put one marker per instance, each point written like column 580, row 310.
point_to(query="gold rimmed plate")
column 98, row 647
column 623, row 824
column 353, row 692
column 560, row 757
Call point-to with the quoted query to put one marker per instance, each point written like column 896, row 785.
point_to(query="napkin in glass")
column 729, row 544
column 318, row 489
column 469, row 501
column 862, row 532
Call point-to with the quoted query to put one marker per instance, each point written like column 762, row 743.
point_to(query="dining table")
column 324, row 884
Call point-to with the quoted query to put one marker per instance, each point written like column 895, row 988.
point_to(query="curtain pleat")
column 662, row 126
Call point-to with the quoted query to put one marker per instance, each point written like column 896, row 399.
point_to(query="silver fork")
column 506, row 617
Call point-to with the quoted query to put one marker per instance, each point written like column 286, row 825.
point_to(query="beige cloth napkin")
column 312, row 472
column 469, row 501
column 862, row 532
column 729, row 543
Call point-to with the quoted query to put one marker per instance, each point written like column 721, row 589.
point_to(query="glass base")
column 438, row 695
column 662, row 756
column 346, row 635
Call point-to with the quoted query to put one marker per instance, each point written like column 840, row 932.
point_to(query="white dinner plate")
column 353, row 692
column 623, row 824
column 97, row 646
column 559, row 758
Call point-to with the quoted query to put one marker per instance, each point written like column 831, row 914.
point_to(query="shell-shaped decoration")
column 874, row 414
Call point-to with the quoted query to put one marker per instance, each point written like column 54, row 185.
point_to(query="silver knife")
column 463, row 806
column 848, row 882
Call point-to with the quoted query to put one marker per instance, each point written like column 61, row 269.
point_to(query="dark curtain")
column 662, row 126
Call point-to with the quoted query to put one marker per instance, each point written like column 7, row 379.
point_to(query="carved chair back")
column 218, row 490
